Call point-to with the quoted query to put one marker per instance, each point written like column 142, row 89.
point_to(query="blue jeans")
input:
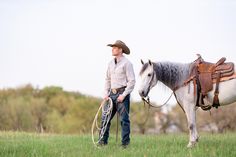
column 123, row 110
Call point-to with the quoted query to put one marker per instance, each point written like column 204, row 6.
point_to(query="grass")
column 21, row 144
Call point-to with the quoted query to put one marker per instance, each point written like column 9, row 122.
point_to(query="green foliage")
column 53, row 110
column 48, row 110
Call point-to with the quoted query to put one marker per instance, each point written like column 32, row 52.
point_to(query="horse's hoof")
column 191, row 144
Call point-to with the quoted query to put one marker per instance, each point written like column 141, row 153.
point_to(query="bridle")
column 149, row 87
column 146, row 100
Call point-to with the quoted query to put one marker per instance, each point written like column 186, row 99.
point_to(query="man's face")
column 116, row 51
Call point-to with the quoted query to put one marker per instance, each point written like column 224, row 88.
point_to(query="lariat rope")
column 107, row 115
column 107, row 112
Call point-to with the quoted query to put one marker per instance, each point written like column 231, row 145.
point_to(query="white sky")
column 63, row 43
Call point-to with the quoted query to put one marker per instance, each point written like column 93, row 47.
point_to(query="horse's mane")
column 170, row 73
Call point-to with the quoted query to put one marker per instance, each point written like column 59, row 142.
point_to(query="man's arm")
column 107, row 84
column 131, row 79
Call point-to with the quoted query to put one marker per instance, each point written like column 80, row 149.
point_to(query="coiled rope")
column 106, row 107
column 107, row 112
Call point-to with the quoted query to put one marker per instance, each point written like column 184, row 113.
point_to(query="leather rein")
column 147, row 101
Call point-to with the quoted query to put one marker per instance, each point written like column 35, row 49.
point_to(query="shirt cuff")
column 124, row 94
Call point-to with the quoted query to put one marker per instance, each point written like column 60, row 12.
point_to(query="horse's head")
column 148, row 78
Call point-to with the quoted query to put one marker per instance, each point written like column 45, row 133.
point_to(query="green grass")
column 20, row 144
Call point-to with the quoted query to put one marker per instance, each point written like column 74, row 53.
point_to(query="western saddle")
column 204, row 74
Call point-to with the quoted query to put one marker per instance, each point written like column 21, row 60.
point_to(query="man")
column 119, row 83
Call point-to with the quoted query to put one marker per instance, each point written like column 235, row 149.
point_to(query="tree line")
column 53, row 110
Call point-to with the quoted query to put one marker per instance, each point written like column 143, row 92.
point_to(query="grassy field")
column 20, row 144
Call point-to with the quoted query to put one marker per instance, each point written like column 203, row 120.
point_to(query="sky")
column 63, row 43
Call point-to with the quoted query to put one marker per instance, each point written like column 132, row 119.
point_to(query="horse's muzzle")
column 142, row 93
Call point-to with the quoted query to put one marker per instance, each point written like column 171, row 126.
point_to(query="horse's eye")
column 149, row 75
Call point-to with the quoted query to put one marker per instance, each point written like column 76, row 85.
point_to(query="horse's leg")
column 190, row 112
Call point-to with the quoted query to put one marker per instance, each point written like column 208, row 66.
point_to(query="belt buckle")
column 114, row 91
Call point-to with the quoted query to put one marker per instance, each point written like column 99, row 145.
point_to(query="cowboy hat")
column 122, row 45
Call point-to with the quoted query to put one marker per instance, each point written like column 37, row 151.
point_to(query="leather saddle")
column 206, row 73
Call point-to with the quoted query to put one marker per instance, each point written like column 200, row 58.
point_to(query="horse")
column 174, row 75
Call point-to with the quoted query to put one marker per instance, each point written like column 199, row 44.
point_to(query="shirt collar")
column 120, row 59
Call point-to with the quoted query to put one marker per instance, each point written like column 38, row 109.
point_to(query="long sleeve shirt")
column 120, row 74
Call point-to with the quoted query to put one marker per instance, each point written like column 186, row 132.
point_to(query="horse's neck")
column 172, row 74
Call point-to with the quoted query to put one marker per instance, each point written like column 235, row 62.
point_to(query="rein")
column 147, row 101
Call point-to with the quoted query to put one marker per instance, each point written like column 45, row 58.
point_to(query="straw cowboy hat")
column 122, row 45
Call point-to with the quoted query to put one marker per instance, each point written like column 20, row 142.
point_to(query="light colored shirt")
column 120, row 75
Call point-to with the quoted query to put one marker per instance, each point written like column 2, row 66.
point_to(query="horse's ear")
column 149, row 61
column 142, row 62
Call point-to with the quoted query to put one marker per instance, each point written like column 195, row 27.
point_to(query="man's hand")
column 106, row 97
column 120, row 98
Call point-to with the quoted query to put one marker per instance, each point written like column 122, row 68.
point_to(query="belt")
column 118, row 90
